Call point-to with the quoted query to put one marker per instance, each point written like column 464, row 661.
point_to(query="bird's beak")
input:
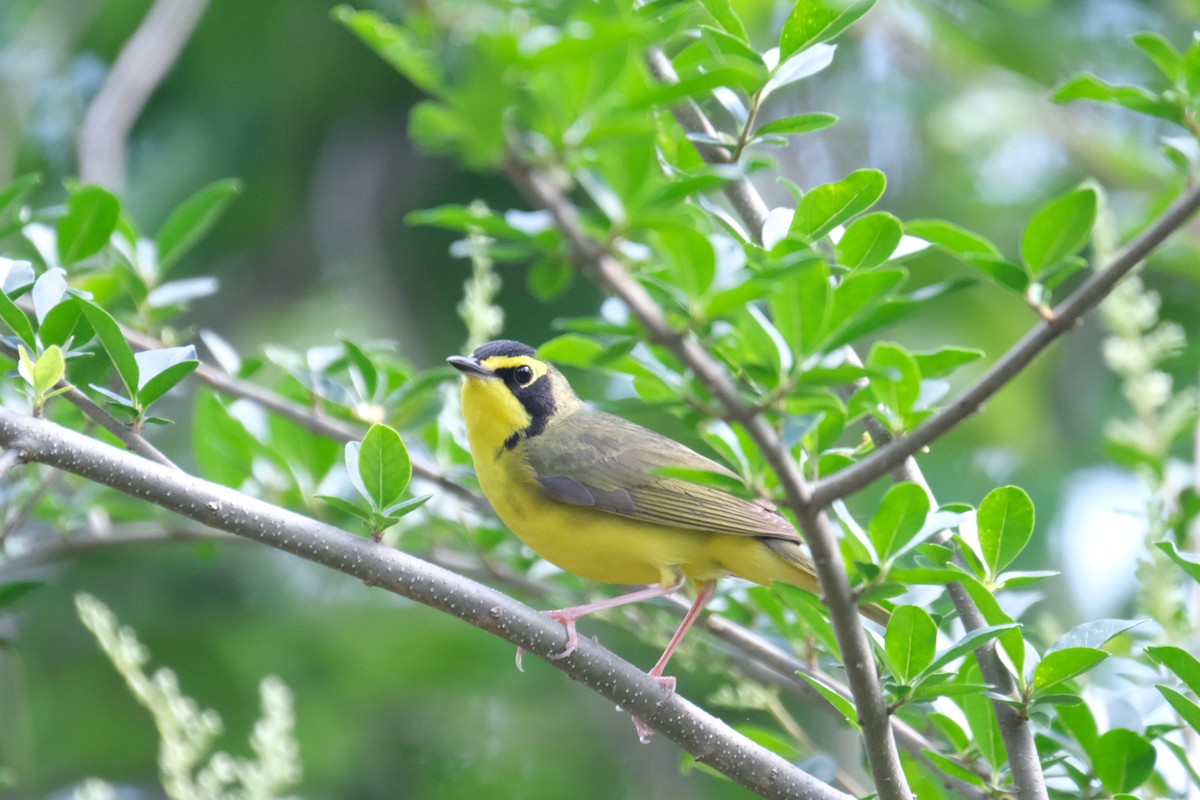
column 470, row 367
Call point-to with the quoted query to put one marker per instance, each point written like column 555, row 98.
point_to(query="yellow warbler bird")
column 585, row 490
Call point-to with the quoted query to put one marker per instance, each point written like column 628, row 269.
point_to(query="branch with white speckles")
column 708, row 739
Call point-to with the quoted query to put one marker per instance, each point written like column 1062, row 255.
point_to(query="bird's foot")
column 567, row 619
column 643, row 730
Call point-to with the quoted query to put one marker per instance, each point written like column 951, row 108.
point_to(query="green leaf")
column 954, row 769
column 1088, row 87
column 406, row 506
column 1096, row 633
column 969, row 643
column 364, row 365
column 397, row 46
column 12, row 192
column 1062, row 665
column 800, row 305
column 15, row 318
column 1123, row 760
column 910, row 641
column 813, row 21
column 384, row 466
column 723, row 12
column 345, row 506
column 843, row 705
column 49, row 369
column 1058, row 229
column 1002, row 271
column 897, row 383
column 941, row 363
column 735, row 73
column 952, row 238
column 831, row 204
column 13, row 591
column 900, row 517
column 1185, row 665
column 870, row 240
column 1164, row 55
column 1011, row 639
column 162, row 370
column 92, row 215
column 800, row 123
column 113, row 342
column 981, row 719
column 192, row 219
column 223, row 446
column 1184, row 706
column 1005, row 521
column 1186, row 561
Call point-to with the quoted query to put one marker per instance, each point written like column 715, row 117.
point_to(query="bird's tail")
column 803, row 574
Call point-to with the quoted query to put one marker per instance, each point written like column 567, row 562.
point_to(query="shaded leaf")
column 1186, row 561
column 1088, row 87
column 846, row 707
column 222, row 445
column 910, row 641
column 1123, row 760
column 1185, row 665
column 900, row 517
column 113, row 342
column 92, row 214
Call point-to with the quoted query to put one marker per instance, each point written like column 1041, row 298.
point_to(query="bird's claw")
column 643, row 730
column 568, row 622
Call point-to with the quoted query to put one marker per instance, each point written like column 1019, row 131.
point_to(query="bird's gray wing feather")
column 608, row 463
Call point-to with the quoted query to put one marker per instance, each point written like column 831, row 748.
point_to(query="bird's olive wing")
column 611, row 464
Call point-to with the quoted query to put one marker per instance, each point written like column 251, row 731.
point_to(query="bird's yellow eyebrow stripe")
column 507, row 362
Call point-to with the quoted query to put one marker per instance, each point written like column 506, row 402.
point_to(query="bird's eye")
column 524, row 375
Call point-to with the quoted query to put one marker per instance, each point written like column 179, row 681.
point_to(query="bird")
column 593, row 494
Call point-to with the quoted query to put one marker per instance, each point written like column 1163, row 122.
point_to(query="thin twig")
column 139, row 68
column 9, row 458
column 1062, row 319
column 858, row 658
column 311, row 419
column 708, row 739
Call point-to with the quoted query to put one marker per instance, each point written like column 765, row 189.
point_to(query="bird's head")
column 510, row 394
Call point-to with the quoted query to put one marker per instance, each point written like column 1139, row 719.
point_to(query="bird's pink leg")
column 568, row 616
column 703, row 595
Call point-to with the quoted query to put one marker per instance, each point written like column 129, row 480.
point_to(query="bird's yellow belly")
column 595, row 544
column 611, row 548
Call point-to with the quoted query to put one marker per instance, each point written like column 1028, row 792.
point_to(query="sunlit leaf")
column 384, row 466
column 813, row 21
column 869, row 240
column 831, row 204
column 1062, row 665
column 1005, row 521
column 1058, row 229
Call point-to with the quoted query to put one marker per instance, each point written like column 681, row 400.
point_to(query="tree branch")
column 858, row 658
column 1065, row 317
column 140, row 66
column 705, row 737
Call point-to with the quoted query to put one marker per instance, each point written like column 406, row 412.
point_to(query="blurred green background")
column 395, row 700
